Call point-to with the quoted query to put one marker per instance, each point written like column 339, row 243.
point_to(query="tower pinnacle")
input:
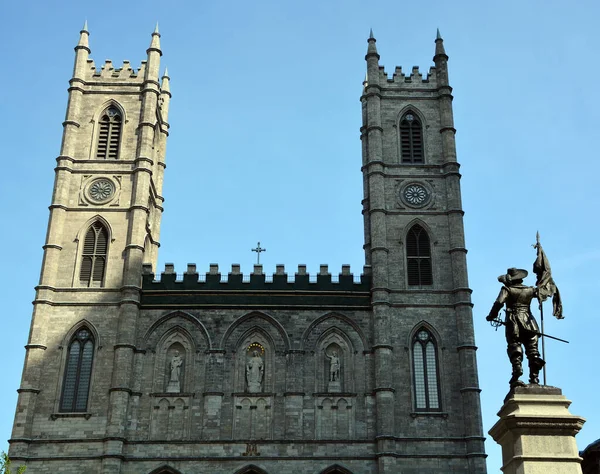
column 439, row 46
column 155, row 42
column 372, row 48
column 165, row 86
column 84, row 38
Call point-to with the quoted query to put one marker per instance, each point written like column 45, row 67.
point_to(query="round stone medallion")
column 415, row 195
column 101, row 190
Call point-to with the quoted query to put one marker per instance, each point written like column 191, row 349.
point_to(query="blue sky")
column 265, row 146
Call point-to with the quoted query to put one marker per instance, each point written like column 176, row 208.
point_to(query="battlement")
column 108, row 72
column 414, row 79
column 235, row 289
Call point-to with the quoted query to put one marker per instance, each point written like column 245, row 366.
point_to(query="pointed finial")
column 166, row 74
column 155, row 43
column 371, row 34
column 84, row 42
column 440, row 51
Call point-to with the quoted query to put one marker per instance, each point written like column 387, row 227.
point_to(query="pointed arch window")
column 425, row 371
column 93, row 258
column 109, row 134
column 411, row 138
column 78, row 372
column 418, row 257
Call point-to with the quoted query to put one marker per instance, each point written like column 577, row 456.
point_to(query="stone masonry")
column 215, row 372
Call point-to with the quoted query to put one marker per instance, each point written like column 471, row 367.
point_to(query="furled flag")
column 545, row 284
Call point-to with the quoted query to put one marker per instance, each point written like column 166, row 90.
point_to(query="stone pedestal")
column 334, row 387
column 537, row 432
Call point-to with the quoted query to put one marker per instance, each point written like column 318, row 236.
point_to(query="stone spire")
column 82, row 52
column 372, row 48
column 153, row 62
column 441, row 61
column 372, row 59
column 439, row 46
column 165, row 86
column 155, row 43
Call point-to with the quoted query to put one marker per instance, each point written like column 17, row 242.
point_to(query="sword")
column 496, row 323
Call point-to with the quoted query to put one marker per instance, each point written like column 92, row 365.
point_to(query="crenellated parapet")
column 108, row 72
column 234, row 289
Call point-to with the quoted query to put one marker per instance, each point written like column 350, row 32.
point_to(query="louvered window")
column 109, row 135
column 425, row 372
column 411, row 138
column 418, row 257
column 93, row 258
column 78, row 372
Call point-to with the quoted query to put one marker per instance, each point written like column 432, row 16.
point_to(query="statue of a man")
column 334, row 366
column 521, row 327
column 175, row 373
column 255, row 369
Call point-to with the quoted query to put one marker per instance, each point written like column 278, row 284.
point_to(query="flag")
column 545, row 284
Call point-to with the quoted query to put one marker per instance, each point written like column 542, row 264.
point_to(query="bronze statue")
column 521, row 327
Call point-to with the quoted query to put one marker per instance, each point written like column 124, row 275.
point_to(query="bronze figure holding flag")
column 521, row 327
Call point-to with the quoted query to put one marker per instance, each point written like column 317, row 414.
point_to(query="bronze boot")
column 516, row 373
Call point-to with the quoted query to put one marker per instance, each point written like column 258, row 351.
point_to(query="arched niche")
column 334, row 362
column 174, row 362
column 254, row 363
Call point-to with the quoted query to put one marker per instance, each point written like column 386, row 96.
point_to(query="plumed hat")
column 512, row 274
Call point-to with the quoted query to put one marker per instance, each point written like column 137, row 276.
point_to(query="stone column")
column 537, row 432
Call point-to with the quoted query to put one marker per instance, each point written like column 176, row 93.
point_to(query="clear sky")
column 265, row 146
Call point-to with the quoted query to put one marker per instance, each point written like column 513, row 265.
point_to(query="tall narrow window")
column 109, row 135
column 418, row 257
column 93, row 258
column 78, row 372
column 425, row 372
column 411, row 138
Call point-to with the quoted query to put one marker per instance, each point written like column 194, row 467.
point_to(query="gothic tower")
column 130, row 370
column 414, row 242
column 104, row 223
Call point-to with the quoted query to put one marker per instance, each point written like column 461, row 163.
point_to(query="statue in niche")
column 175, row 365
column 335, row 366
column 255, row 370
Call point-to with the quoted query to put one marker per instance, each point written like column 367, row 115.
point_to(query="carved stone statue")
column 175, row 365
column 255, row 369
column 521, row 327
column 334, row 366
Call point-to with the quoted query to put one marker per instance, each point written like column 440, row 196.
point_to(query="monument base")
column 334, row 387
column 537, row 432
column 173, row 387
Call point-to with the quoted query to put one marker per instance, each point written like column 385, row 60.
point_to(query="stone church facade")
column 131, row 370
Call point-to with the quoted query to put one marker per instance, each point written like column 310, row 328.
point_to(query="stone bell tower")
column 414, row 242
column 104, row 224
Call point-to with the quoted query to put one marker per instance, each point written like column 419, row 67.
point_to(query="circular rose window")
column 415, row 195
column 101, row 190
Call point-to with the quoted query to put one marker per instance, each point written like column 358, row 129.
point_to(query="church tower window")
column 411, row 138
column 78, row 372
column 425, row 372
column 109, row 135
column 93, row 258
column 418, row 257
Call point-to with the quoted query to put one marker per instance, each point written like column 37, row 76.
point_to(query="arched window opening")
column 109, row 135
column 418, row 257
column 251, row 470
column 336, row 469
column 93, row 257
column 411, row 138
column 425, row 372
column 78, row 372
